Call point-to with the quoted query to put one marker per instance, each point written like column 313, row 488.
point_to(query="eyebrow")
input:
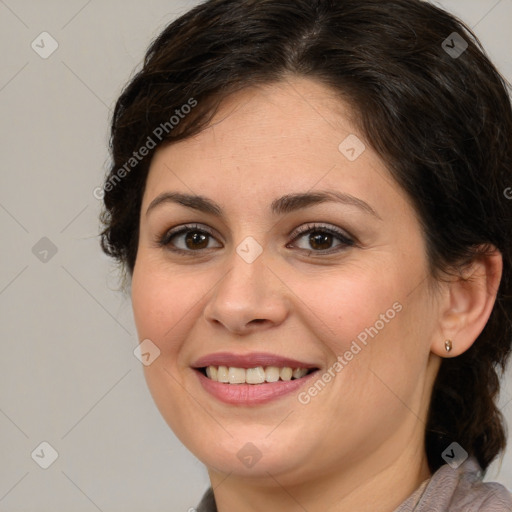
column 283, row 205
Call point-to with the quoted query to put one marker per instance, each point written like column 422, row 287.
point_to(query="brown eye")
column 187, row 239
column 196, row 240
column 320, row 239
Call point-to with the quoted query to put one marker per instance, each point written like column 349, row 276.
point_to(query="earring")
column 448, row 345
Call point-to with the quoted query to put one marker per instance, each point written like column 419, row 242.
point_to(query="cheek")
column 163, row 304
column 167, row 303
column 160, row 302
column 369, row 318
column 350, row 301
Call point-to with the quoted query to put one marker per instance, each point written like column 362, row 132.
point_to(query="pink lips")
column 249, row 360
column 250, row 394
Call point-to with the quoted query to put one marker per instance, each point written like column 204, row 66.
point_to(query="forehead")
column 278, row 116
column 272, row 140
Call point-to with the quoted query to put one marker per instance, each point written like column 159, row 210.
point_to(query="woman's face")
column 252, row 278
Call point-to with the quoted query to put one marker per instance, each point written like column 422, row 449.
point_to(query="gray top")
column 447, row 490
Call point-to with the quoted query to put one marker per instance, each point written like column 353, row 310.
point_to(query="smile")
column 251, row 378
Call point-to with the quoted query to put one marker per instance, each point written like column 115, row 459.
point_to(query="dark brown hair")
column 441, row 121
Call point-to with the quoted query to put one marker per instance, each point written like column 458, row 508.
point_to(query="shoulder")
column 470, row 493
column 482, row 497
column 459, row 489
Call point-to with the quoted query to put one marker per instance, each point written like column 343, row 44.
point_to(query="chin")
column 245, row 455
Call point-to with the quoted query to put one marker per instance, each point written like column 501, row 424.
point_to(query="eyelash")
column 165, row 239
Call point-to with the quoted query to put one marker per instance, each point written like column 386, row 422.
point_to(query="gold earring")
column 448, row 345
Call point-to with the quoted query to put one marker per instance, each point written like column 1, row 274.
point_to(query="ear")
column 467, row 303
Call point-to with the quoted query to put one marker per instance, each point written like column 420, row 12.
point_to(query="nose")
column 249, row 297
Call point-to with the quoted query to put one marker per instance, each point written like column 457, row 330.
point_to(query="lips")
column 241, row 393
column 250, row 360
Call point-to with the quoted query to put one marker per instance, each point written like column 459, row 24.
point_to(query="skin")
column 358, row 444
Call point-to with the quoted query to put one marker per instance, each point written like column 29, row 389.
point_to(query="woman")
column 309, row 199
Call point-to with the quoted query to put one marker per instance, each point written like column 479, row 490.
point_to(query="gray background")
column 69, row 376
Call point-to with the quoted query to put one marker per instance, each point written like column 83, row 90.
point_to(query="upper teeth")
column 258, row 375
